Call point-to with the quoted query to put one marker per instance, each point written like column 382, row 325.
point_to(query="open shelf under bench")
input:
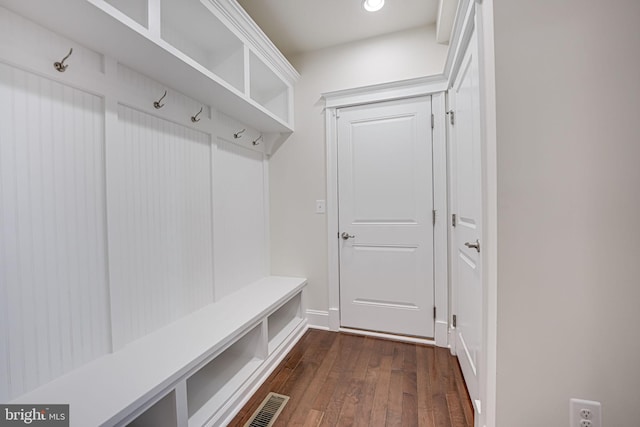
column 188, row 369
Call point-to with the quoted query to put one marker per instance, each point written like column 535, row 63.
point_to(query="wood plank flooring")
column 337, row 379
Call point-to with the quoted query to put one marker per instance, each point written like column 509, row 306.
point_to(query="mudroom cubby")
column 161, row 414
column 196, row 370
column 283, row 321
column 213, row 384
column 269, row 90
column 205, row 40
column 202, row 48
column 137, row 10
column 134, row 210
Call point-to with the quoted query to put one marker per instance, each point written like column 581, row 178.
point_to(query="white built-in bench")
column 193, row 372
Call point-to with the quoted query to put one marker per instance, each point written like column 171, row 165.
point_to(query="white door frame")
column 470, row 14
column 434, row 86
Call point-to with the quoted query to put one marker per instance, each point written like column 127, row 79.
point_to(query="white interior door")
column 385, row 217
column 466, row 205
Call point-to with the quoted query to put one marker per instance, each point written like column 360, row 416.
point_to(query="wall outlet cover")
column 585, row 413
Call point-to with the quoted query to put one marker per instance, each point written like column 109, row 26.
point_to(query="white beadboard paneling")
column 239, row 217
column 160, row 224
column 149, row 90
column 18, row 34
column 53, row 273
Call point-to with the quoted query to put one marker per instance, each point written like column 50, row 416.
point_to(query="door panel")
column 466, row 204
column 385, row 203
column 383, row 171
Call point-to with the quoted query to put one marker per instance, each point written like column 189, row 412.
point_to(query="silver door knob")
column 347, row 236
column 475, row 245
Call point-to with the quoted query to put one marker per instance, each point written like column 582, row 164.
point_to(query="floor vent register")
column 268, row 411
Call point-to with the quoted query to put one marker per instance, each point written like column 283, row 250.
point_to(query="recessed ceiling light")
column 372, row 5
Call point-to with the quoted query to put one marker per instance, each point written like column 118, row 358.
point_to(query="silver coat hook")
column 195, row 118
column 157, row 104
column 60, row 66
column 238, row 134
column 255, row 142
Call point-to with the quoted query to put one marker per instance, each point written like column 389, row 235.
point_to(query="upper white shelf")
column 209, row 50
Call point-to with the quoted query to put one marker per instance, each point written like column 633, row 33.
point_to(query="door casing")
column 434, row 86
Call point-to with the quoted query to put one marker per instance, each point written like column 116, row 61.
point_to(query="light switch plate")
column 321, row 206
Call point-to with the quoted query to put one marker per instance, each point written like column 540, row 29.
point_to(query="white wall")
column 568, row 103
column 298, row 171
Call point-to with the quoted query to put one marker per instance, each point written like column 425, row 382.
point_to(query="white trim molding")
column 486, row 57
column 462, row 30
column 318, row 319
column 245, row 27
column 385, row 92
column 441, row 207
column 433, row 86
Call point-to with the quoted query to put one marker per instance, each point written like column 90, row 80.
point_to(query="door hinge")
column 455, row 321
column 433, row 121
column 434, row 217
column 454, row 220
column 434, row 312
column 452, row 117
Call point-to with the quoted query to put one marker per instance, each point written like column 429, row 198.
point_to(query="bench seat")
column 117, row 388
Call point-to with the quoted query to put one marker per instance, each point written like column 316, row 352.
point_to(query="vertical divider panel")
column 154, row 10
column 137, row 10
column 267, row 217
column 263, row 351
column 111, row 132
column 247, row 71
column 182, row 409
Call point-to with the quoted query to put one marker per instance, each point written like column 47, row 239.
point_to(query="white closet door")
column 466, row 179
column 54, row 312
column 160, row 225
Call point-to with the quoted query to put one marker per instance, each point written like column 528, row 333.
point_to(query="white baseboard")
column 318, row 319
column 442, row 333
column 334, row 318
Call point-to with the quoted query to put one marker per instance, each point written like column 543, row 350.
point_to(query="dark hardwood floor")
column 337, row 379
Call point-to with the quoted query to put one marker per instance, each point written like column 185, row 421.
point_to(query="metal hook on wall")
column 61, row 66
column 195, row 118
column 157, row 104
column 255, row 141
column 238, row 134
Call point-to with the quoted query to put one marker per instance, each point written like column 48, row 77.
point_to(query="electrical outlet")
column 585, row 413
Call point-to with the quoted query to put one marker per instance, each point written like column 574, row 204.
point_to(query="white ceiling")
column 297, row 26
